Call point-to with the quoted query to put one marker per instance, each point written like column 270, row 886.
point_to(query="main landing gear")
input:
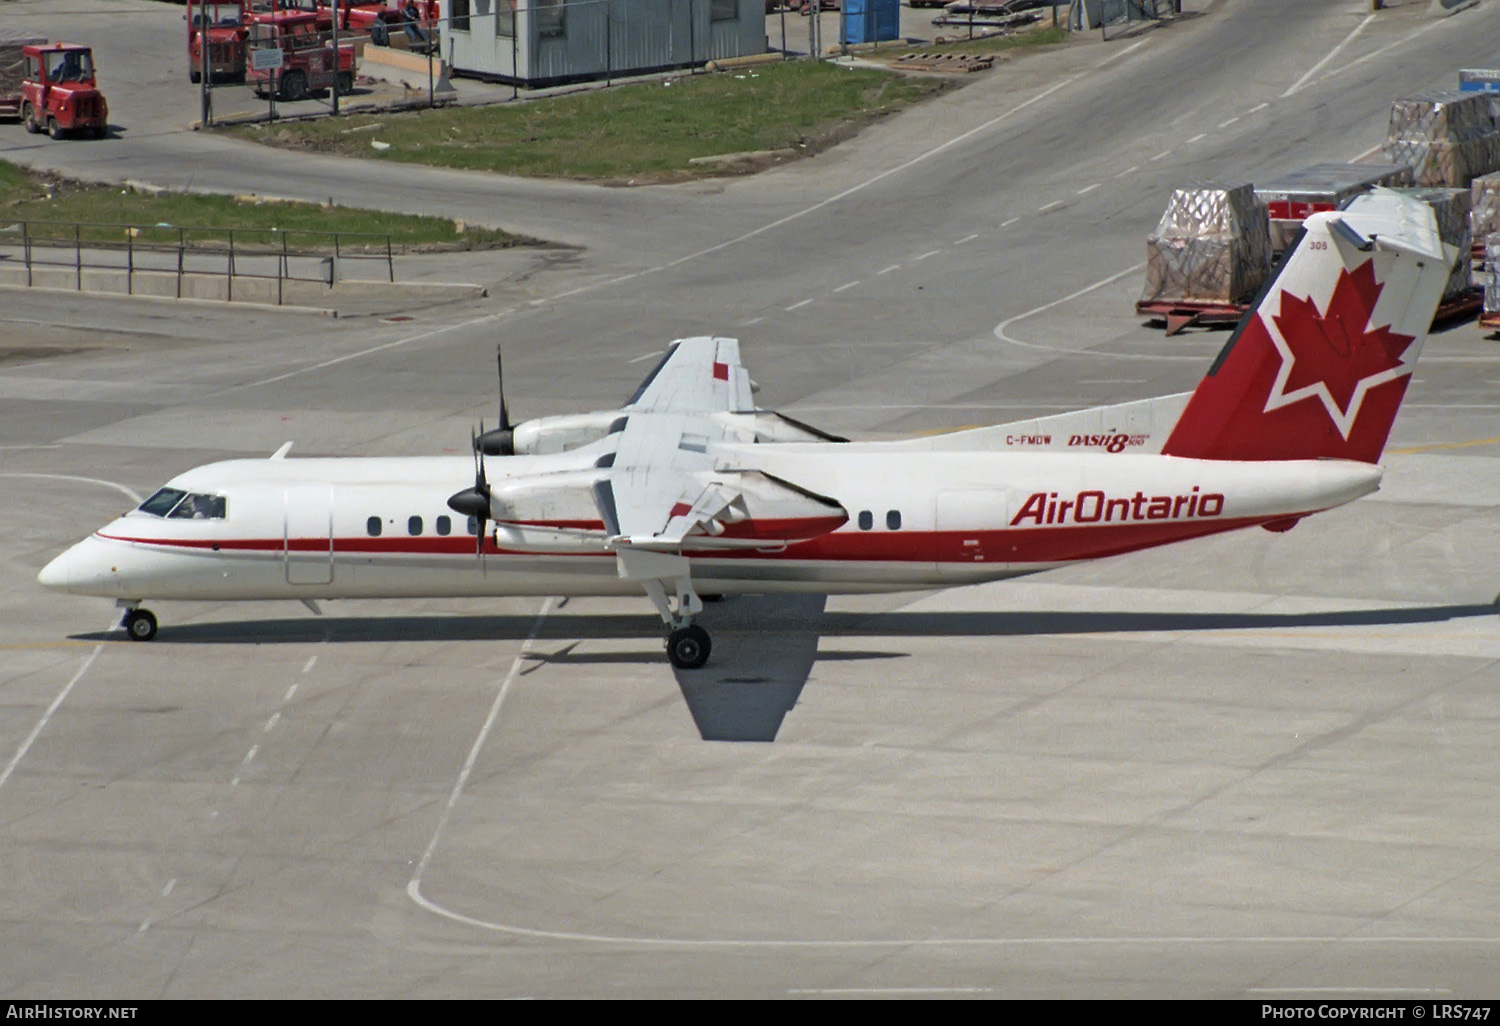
column 140, row 624
column 688, row 645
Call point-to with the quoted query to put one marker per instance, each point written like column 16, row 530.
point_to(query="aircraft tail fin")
column 1319, row 366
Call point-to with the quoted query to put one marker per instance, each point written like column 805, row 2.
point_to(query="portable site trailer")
column 549, row 42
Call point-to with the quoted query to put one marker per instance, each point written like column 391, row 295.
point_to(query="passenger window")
column 473, row 525
column 866, row 520
column 160, row 504
column 413, row 526
column 893, row 520
column 444, row 526
column 372, row 527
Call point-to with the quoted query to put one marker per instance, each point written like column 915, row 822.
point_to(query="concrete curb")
column 282, row 308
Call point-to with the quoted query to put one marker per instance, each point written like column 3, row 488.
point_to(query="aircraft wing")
column 667, row 491
column 698, row 375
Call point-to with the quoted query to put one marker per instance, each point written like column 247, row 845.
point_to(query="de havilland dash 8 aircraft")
column 690, row 490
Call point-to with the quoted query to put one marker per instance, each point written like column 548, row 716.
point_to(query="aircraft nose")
column 58, row 574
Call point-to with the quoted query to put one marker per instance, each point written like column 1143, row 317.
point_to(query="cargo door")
column 970, row 529
column 308, row 537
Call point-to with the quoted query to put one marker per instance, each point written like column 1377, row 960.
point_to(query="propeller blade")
column 505, row 424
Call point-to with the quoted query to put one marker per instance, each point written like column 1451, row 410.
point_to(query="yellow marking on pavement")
column 1408, row 450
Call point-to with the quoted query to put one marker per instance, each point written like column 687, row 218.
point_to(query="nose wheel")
column 140, row 624
column 688, row 647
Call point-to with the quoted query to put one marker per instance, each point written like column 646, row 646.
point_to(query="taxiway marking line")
column 798, row 306
column 1129, row 170
column 1257, row 108
column 1007, row 224
column 1050, row 206
column 888, row 270
column 967, row 238
column 1195, row 138
column 36, row 731
column 1088, row 189
column 129, row 492
column 1410, row 449
column 847, row 286
column 1163, row 155
column 1226, row 124
column 1329, row 56
column 413, row 887
column 646, row 356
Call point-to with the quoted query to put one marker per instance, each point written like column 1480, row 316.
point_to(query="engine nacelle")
column 546, row 435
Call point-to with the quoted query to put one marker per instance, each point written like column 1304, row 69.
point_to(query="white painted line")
column 1330, row 56
column 1122, row 53
column 1164, row 154
column 1088, row 189
column 1226, row 124
column 312, row 661
column 888, row 270
column 290, row 692
column 271, row 723
column 168, row 888
column 1389, row 46
column 924, row 256
column 1007, row 224
column 1000, row 329
column 1257, row 108
column 145, row 925
column 1195, row 138
column 623, row 277
column 798, row 306
column 1129, row 170
column 846, row 287
column 1050, row 206
column 250, row 755
column 647, row 356
column 1368, row 153
column 1348, row 990
column 413, row 887
column 129, row 493
column 753, row 320
column 233, row 783
column 36, row 731
column 967, row 238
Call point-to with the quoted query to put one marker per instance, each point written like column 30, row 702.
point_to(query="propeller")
column 475, row 502
column 501, row 441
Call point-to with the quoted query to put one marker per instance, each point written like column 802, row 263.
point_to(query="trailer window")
column 549, row 18
column 199, row 507
column 459, row 21
column 505, row 18
column 160, row 504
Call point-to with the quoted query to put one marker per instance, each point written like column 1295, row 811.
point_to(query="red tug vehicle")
column 224, row 22
column 309, row 63
column 57, row 91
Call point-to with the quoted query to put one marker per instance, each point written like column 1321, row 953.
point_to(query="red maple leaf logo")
column 1337, row 349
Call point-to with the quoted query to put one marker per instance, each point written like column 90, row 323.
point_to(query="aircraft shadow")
column 764, row 646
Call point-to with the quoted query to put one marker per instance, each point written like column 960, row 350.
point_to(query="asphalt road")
column 1256, row 766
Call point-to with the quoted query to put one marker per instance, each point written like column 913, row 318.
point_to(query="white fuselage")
column 372, row 527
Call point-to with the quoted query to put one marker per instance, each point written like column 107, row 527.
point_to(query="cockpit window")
column 200, row 507
column 160, row 504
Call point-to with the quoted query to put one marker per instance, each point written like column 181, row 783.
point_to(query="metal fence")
column 183, row 253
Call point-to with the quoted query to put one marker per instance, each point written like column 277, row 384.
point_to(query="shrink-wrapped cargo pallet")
column 1452, row 209
column 1290, row 198
column 1448, row 138
column 1484, row 207
column 1211, row 246
column 1492, row 275
column 12, row 63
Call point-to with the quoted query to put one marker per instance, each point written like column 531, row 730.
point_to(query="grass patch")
column 207, row 220
column 645, row 131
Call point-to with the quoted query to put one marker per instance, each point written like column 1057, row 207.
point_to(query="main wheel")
column 195, row 76
column 140, row 624
column 688, row 647
column 345, row 83
column 293, row 85
column 28, row 114
column 55, row 130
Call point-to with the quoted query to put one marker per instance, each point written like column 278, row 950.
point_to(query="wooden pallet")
column 957, row 62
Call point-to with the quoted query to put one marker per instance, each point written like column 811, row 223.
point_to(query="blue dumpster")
column 871, row 21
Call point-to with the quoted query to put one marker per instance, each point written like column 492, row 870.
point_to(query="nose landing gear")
column 140, row 624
